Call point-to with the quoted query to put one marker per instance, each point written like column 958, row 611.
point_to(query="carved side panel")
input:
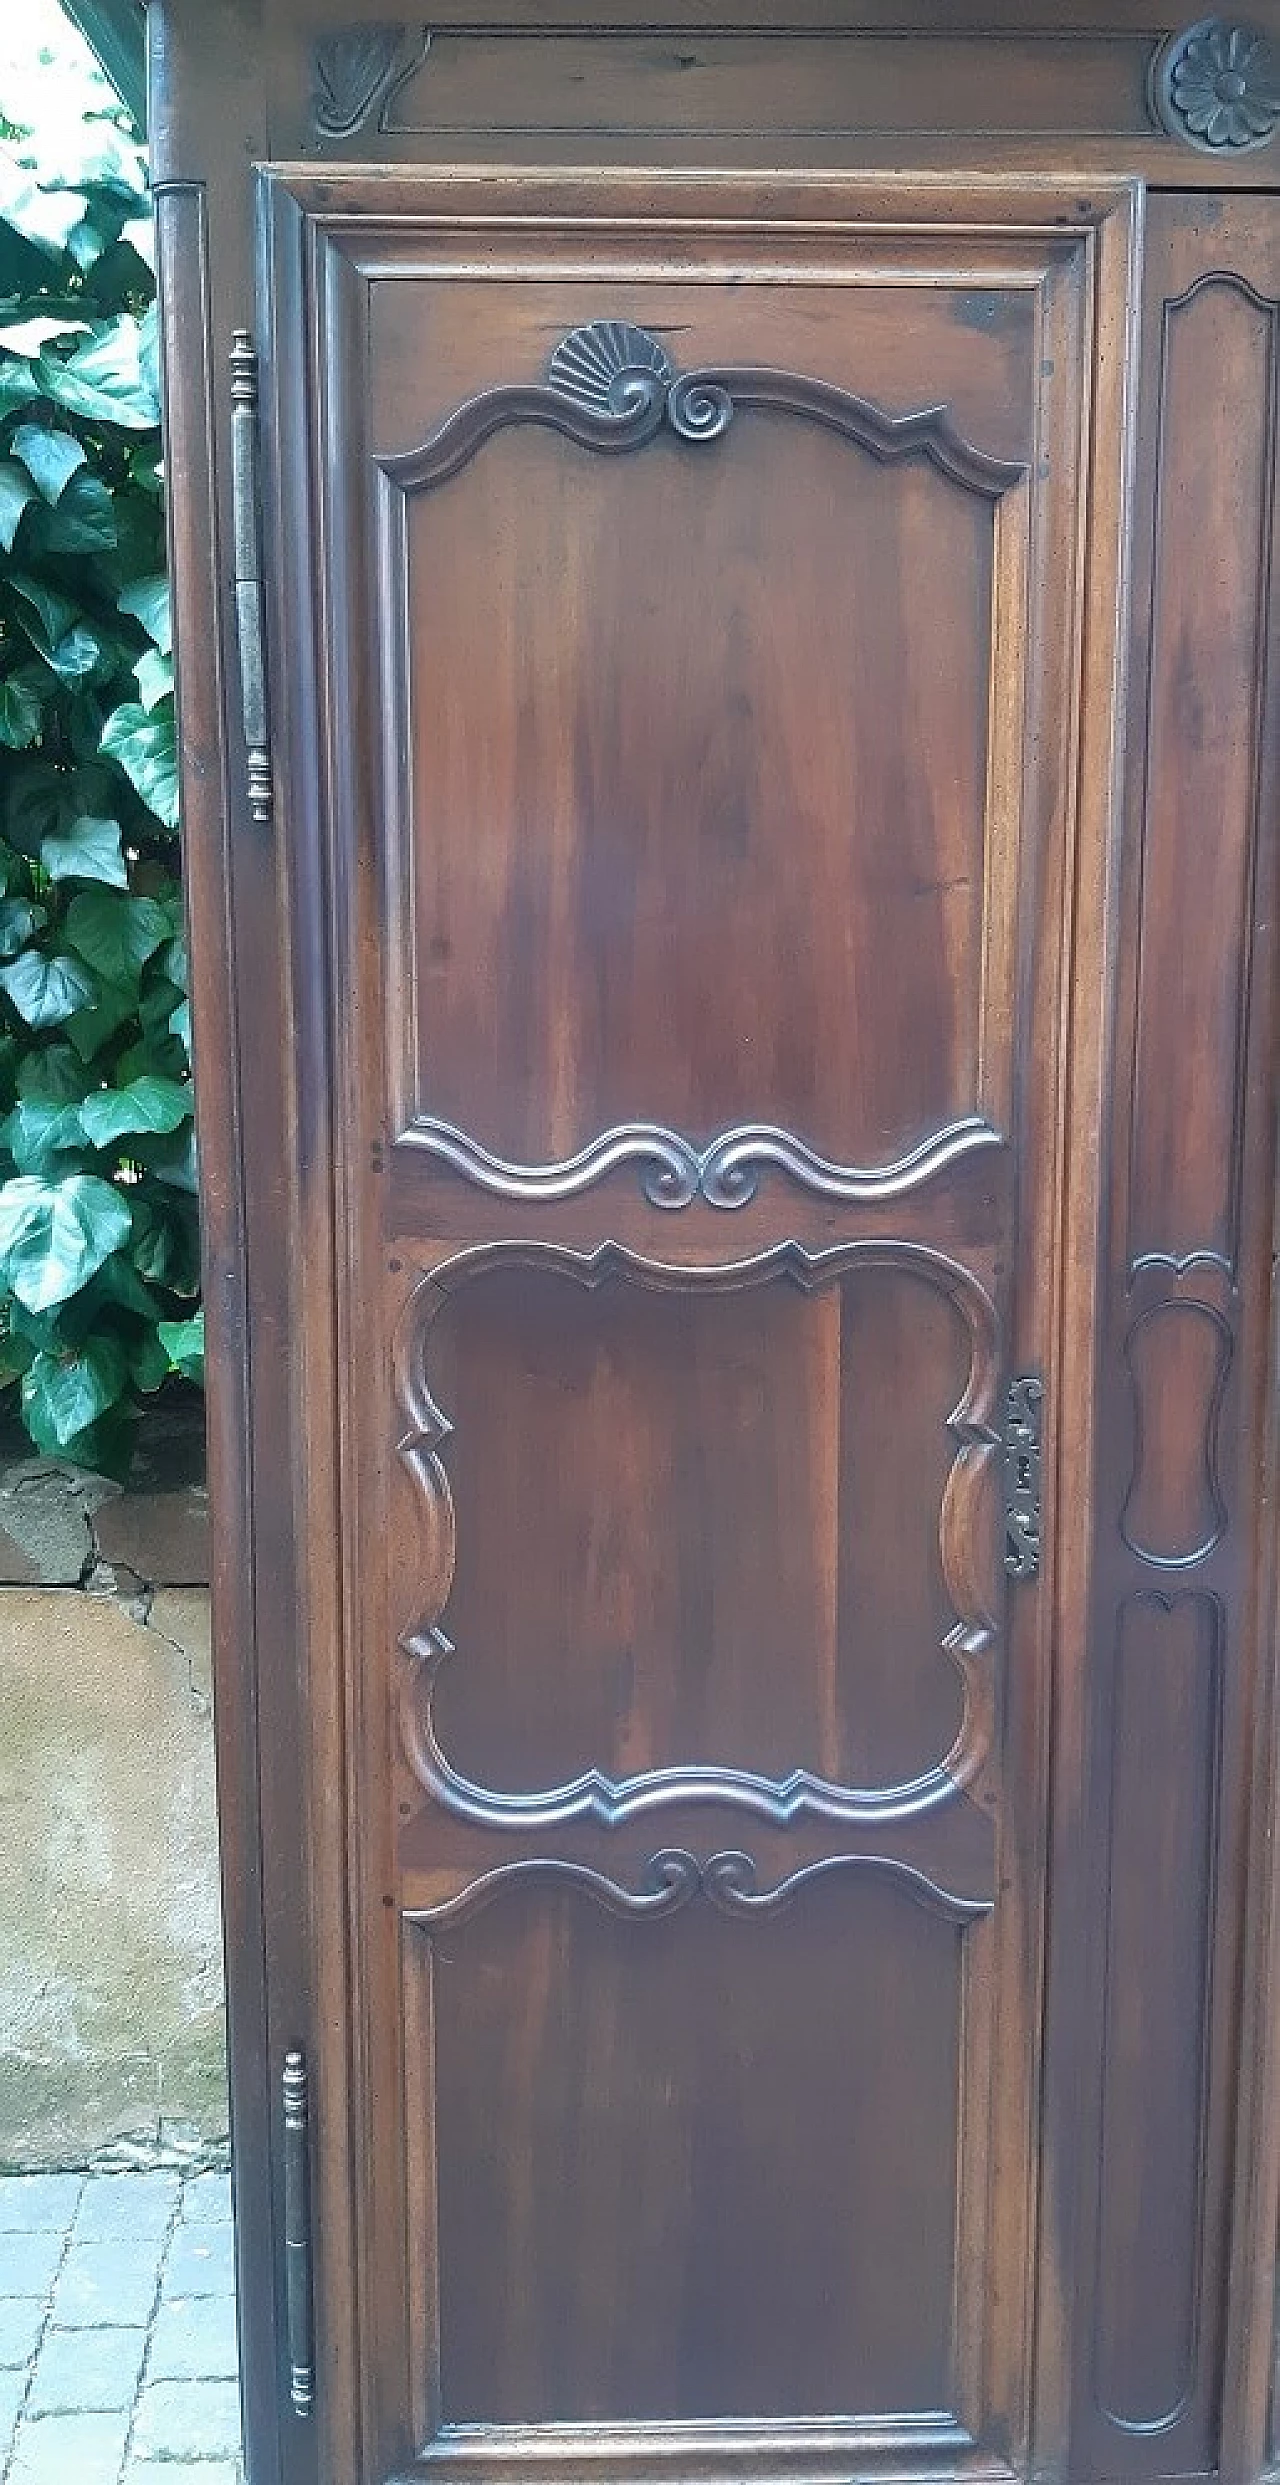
column 1166, row 1695
column 1175, row 1715
column 1203, row 745
column 1179, row 1355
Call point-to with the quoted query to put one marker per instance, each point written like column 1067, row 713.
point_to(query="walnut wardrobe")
column 727, row 633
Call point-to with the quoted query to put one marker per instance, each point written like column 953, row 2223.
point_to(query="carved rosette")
column 1215, row 87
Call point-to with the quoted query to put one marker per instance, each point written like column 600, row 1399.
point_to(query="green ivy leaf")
column 90, row 850
column 149, row 1365
column 147, row 601
column 56, row 613
column 46, row 217
column 46, row 990
column 33, row 798
column 113, row 1007
column 17, row 492
column 113, row 378
column 54, row 1073
column 15, row 1355
column 20, row 713
column 84, row 521
column 155, row 677
column 29, row 337
column 63, row 1395
column 54, row 1235
column 51, row 457
column 146, row 748
column 165, row 1243
column 19, row 920
column 139, row 233
column 38, row 1131
column 148, row 1103
column 183, row 1342
column 172, row 1161
column 116, row 934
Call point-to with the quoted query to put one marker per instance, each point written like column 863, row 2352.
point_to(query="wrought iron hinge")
column 299, row 2319
column 246, row 505
column 1024, row 1411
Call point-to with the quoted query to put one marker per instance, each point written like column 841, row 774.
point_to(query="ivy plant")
column 99, row 1266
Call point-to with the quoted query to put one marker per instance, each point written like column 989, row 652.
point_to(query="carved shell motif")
column 610, row 367
column 1215, row 86
column 352, row 69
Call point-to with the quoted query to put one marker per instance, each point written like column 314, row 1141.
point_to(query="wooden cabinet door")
column 695, row 613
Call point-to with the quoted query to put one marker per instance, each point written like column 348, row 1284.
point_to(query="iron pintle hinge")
column 299, row 2318
column 251, row 632
column 1024, row 1415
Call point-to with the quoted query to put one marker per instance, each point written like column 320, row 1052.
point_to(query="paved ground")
column 117, row 2331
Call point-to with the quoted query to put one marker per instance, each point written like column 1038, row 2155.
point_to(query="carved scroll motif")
column 673, row 1877
column 612, row 386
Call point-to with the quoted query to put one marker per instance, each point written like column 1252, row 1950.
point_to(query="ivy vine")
column 99, row 1251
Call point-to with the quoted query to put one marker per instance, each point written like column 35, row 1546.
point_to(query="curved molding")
column 594, row 1794
column 726, row 1174
column 1174, row 1266
column 1214, row 1504
column 612, row 386
column 673, row 1877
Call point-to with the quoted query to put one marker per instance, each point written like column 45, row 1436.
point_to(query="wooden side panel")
column 1181, row 1636
column 1161, row 1861
column 1212, row 556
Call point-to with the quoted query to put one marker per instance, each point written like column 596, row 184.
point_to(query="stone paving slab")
column 58, row 2448
column 87, row 2373
column 193, row 2337
column 124, row 2206
column 22, row 2318
column 117, row 2331
column 108, row 2285
column 29, row 2262
column 38, row 2204
column 200, row 2261
column 187, row 2420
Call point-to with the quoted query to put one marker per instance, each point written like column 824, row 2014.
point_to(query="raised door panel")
column 696, row 594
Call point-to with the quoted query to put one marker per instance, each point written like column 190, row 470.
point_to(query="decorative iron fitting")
column 1022, row 1446
column 299, row 2323
column 250, row 604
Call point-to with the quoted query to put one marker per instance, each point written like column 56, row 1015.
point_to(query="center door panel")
column 702, row 591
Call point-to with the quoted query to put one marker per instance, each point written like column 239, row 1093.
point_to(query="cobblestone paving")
column 117, row 2331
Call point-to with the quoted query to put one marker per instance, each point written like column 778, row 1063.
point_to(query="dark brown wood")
column 735, row 1019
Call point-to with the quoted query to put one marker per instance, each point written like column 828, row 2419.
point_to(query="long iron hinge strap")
column 1023, row 1432
column 299, row 2319
column 251, row 633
